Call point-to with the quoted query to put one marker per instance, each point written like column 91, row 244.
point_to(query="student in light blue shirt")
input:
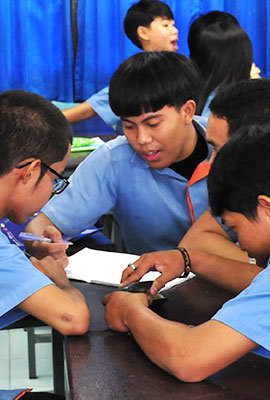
column 35, row 146
column 149, row 24
column 153, row 180
column 239, row 189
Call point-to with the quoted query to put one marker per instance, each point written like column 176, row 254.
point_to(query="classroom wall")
column 66, row 50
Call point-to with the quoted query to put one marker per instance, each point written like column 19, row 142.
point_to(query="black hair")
column 142, row 14
column 31, row 126
column 148, row 81
column 221, row 49
column 243, row 103
column 241, row 172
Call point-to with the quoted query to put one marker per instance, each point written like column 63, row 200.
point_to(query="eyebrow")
column 144, row 120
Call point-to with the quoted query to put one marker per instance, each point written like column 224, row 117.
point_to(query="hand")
column 52, row 268
column 118, row 307
column 169, row 263
column 57, row 249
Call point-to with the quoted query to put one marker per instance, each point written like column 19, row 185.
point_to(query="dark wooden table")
column 108, row 365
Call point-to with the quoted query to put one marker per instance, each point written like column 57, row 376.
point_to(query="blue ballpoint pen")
column 31, row 236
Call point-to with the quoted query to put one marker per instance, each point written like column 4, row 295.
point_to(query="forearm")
column 63, row 283
column 215, row 244
column 209, row 236
column 38, row 224
column 191, row 354
column 63, row 309
column 232, row 275
column 79, row 113
column 157, row 338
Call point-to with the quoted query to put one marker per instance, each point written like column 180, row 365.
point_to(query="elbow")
column 190, row 375
column 78, row 325
column 189, row 370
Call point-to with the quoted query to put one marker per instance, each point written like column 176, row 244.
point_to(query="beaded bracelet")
column 187, row 261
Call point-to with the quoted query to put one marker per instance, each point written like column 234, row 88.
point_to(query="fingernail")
column 153, row 290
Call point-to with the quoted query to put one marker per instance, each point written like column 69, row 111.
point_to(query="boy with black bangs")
column 149, row 24
column 152, row 179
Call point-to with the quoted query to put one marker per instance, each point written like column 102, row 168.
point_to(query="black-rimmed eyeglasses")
column 59, row 185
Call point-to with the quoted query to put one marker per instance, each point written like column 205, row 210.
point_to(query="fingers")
column 160, row 282
column 143, row 265
column 53, row 233
column 168, row 263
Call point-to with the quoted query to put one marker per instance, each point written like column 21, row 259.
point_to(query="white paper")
column 105, row 267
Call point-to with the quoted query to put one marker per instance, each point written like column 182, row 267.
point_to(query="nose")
column 174, row 29
column 143, row 136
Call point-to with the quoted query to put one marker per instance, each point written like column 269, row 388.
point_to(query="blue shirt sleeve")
column 91, row 194
column 19, row 279
column 249, row 312
column 100, row 103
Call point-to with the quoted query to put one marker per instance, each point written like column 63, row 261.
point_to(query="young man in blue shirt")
column 149, row 24
column 35, row 146
column 241, row 104
column 152, row 180
column 239, row 192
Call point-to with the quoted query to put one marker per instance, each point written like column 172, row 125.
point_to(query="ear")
column 30, row 173
column 264, row 201
column 188, row 110
column 143, row 33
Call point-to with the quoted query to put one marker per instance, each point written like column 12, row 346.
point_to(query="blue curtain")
column 37, row 51
column 36, row 47
column 103, row 45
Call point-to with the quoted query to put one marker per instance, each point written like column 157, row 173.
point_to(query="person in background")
column 149, row 24
column 152, row 179
column 222, row 51
column 239, row 192
column 35, row 146
column 211, row 246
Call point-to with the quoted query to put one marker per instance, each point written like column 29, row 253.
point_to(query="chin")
column 16, row 219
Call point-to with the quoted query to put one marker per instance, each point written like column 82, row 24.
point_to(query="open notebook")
column 104, row 267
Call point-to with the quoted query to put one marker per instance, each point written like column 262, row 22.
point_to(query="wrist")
column 187, row 261
column 133, row 307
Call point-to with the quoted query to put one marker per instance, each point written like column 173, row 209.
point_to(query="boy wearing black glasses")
column 35, row 146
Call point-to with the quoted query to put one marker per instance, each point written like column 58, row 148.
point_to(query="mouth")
column 151, row 155
column 174, row 44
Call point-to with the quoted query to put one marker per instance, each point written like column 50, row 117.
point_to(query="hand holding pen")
column 46, row 243
column 32, row 237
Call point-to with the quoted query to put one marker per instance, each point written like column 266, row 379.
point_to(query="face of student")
column 253, row 234
column 216, row 133
column 32, row 196
column 162, row 34
column 162, row 137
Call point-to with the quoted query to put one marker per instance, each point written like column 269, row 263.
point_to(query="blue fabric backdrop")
column 36, row 41
column 36, row 47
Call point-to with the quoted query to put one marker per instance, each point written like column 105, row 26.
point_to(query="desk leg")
column 58, row 362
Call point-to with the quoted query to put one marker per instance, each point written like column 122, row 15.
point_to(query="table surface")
column 109, row 365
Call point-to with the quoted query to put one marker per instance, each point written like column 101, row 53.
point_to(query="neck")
column 7, row 189
column 190, row 142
